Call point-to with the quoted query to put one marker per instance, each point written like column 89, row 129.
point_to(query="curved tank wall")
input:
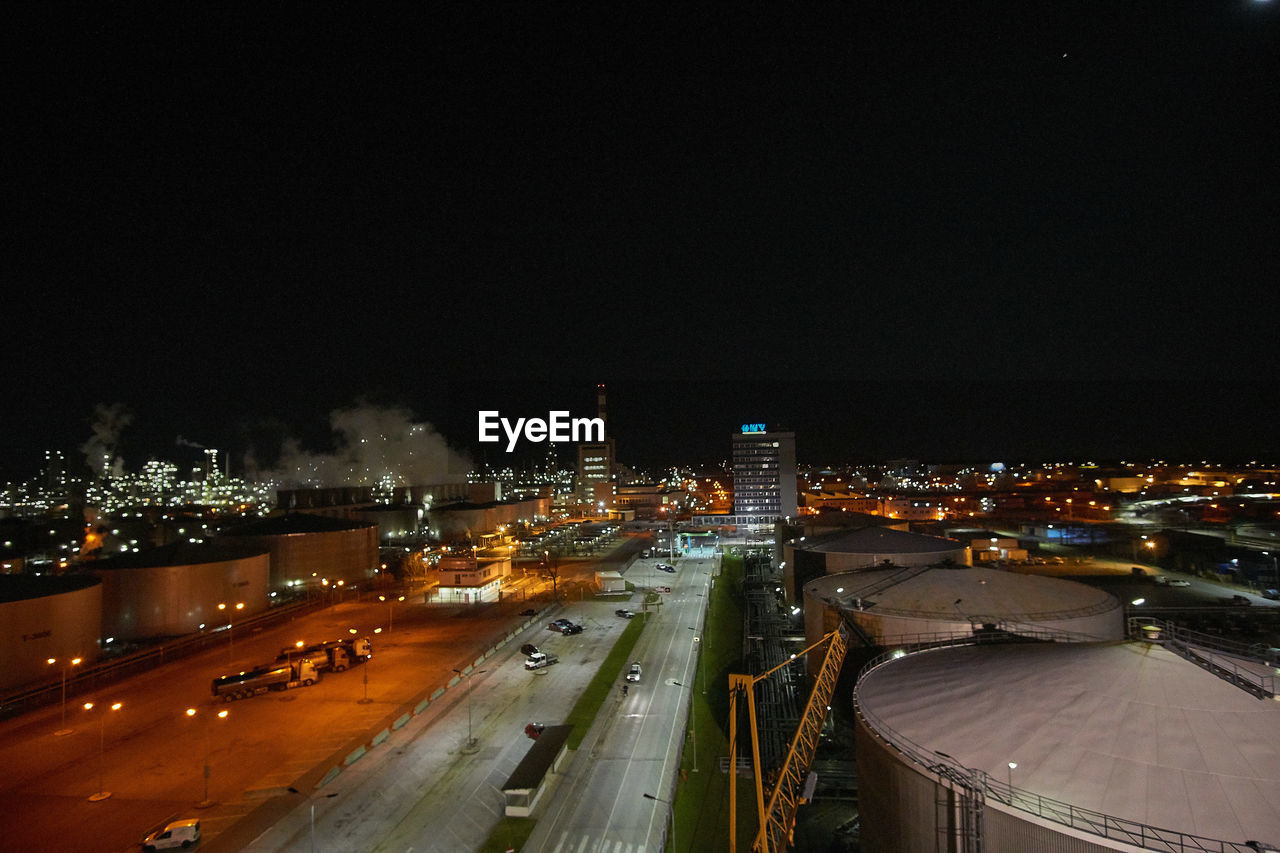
column 306, row 548
column 176, row 595
column 46, row 617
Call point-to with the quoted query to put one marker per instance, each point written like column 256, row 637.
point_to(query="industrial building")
column 764, row 475
column 1063, row 747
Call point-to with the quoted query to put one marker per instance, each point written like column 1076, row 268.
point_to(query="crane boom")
column 776, row 820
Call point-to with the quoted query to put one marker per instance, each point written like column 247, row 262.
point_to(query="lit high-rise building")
column 764, row 474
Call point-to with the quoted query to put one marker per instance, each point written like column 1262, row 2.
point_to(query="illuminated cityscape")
column 826, row 428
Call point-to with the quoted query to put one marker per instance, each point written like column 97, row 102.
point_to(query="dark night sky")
column 995, row 231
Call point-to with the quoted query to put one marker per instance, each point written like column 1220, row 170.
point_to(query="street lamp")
column 365, row 669
column 101, row 793
column 222, row 715
column 390, row 620
column 471, row 741
column 74, row 661
column 672, row 811
column 239, row 605
column 1013, row 765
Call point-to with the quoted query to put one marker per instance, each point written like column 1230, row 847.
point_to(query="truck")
column 331, row 655
column 241, row 685
column 540, row 660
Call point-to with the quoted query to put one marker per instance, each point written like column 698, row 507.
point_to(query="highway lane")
column 635, row 750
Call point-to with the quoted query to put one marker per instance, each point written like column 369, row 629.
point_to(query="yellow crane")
column 776, row 821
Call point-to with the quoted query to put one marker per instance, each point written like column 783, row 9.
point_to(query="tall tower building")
column 596, row 463
column 764, row 474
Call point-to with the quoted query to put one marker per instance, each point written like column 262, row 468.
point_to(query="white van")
column 180, row 833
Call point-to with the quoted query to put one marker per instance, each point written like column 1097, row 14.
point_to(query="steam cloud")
column 108, row 423
column 375, row 446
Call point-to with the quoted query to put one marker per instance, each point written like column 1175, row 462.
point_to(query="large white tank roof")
column 1126, row 729
column 969, row 593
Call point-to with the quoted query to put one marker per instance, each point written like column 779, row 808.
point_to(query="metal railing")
column 1221, row 657
column 1085, row 820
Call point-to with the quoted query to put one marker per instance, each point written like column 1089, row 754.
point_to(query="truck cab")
column 539, row 660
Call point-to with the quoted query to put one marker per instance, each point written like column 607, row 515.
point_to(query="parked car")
column 528, row 649
column 533, row 730
column 663, row 567
column 179, row 833
column 625, row 614
column 1179, row 582
column 571, row 629
column 559, row 625
column 529, row 612
column 1161, row 580
column 1272, row 594
column 633, row 674
column 662, row 589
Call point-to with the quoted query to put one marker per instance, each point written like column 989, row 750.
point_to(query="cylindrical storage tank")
column 1062, row 746
column 862, row 549
column 173, row 590
column 305, row 548
column 906, row 606
column 393, row 522
column 47, row 617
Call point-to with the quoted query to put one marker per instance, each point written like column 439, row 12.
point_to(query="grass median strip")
column 513, row 832
column 591, row 700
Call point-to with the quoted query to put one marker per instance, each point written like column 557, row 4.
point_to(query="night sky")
column 994, row 231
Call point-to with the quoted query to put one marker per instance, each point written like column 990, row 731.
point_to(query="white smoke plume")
column 108, row 423
column 376, row 446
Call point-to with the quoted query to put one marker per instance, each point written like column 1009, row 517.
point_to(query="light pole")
column 471, row 741
column 101, row 793
column 1012, row 766
column 671, row 810
column 74, row 661
column 222, row 715
column 231, row 609
column 390, row 619
column 365, row 669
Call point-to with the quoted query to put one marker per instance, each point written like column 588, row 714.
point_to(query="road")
column 426, row 791
column 635, row 749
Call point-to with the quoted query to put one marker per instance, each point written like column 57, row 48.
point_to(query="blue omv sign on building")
column 748, row 428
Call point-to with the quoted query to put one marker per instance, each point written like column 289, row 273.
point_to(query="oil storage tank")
column 43, row 617
column 902, row 606
column 862, row 549
column 175, row 589
column 1063, row 747
column 305, row 548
